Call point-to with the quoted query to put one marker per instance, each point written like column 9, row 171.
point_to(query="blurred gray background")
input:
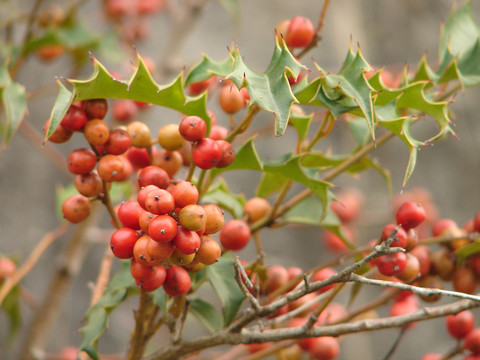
column 390, row 33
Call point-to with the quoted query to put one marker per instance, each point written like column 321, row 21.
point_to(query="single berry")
column 140, row 134
column 177, row 281
column 170, row 138
column 76, row 208
column 300, row 32
column 461, row 324
column 75, row 119
column 124, row 110
column 95, row 108
column 193, row 128
column 170, row 161
column 215, row 219
column 256, row 208
column 162, row 228
column 81, row 161
column 228, row 154
column 206, row 153
column 96, row 132
column 209, row 250
column 155, row 282
column 230, row 99
column 400, row 237
column 277, row 276
column 129, row 214
column 410, row 214
column 153, row 175
column 118, row 142
column 235, row 235
column 60, row 135
column 159, row 202
column 122, row 242
column 110, row 167
column 186, row 241
column 185, row 193
column 192, row 217
column 89, row 185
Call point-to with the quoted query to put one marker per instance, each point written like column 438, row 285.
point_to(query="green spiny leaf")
column 269, row 184
column 140, row 87
column 460, row 30
column 221, row 276
column 207, row 314
column 301, row 124
column 270, row 90
column 220, row 194
column 209, row 67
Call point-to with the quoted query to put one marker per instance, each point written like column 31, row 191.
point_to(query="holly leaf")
column 207, row 314
column 220, row 194
column 270, row 183
column 11, row 307
column 140, row 87
column 270, row 90
column 209, row 67
column 14, row 102
column 96, row 318
column 311, row 212
column 221, row 277
column 301, row 124
column 460, row 30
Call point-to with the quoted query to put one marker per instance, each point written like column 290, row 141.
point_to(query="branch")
column 46, row 314
column 27, row 266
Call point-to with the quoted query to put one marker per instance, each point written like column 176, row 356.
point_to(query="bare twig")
column 395, row 344
column 27, row 266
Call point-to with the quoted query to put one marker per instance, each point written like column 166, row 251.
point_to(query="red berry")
column 323, row 275
column 155, row 282
column 110, row 168
column 218, row 132
column 124, row 110
column 95, row 108
column 472, row 341
column 7, row 268
column 75, row 119
column 185, row 193
column 442, row 225
column 81, row 161
column 186, row 241
column 122, row 242
column 324, row 348
column 300, row 32
column 60, row 134
column 129, row 214
column 209, row 250
column 158, row 252
column 141, row 272
column 138, row 157
column 391, row 264
column 400, row 239
column 461, row 324
column 170, row 161
column 89, row 184
column 142, row 194
column 277, row 276
column 162, row 228
column 206, row 154
column 76, row 208
column 410, row 214
column 159, row 202
column 153, row 175
column 193, row 128
column 118, row 142
column 235, row 235
column 96, row 132
column 177, row 282
column 228, row 153
column 230, row 99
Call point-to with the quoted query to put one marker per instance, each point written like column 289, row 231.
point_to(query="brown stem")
column 46, row 314
column 243, row 125
column 36, row 139
column 28, row 265
column 137, row 340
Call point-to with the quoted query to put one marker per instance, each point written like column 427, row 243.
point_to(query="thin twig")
column 395, row 344
column 28, row 265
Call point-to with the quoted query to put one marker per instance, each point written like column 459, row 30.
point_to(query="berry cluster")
column 165, row 232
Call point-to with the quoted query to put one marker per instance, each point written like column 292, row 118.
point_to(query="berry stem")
column 201, row 178
column 107, row 201
column 243, row 125
column 324, row 129
column 137, row 340
column 191, row 170
column 395, row 344
column 48, row 239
